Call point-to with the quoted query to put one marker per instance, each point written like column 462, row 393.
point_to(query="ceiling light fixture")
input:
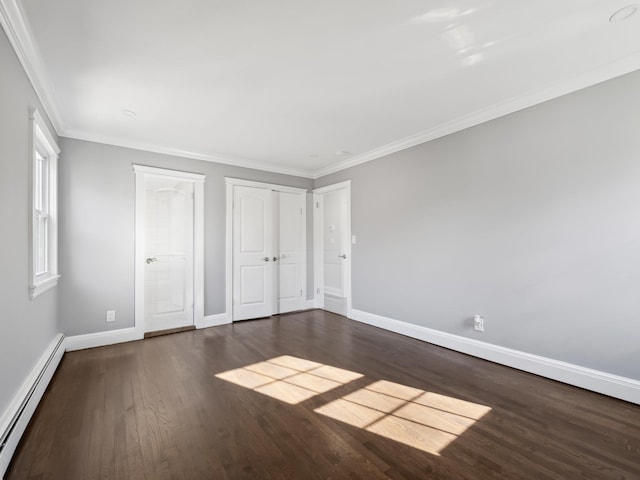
column 129, row 113
column 624, row 13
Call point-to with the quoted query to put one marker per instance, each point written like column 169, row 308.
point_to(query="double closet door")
column 269, row 251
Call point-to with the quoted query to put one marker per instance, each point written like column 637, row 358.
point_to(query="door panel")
column 252, row 223
column 169, row 253
column 290, row 248
column 252, row 252
column 335, row 233
column 252, row 285
column 334, row 241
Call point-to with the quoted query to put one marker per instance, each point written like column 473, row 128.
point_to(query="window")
column 44, row 225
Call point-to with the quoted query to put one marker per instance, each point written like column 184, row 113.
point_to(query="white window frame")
column 46, row 188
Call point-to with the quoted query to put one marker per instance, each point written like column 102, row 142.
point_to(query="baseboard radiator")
column 16, row 419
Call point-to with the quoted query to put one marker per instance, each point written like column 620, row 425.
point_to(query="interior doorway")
column 169, row 266
column 332, row 247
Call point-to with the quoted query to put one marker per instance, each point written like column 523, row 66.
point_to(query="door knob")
column 344, row 255
column 266, row 259
column 275, row 259
column 151, row 260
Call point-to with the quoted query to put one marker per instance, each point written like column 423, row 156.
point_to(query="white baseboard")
column 215, row 320
column 613, row 385
column 100, row 339
column 309, row 303
column 334, row 304
column 26, row 400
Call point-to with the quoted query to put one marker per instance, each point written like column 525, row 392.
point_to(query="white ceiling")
column 285, row 84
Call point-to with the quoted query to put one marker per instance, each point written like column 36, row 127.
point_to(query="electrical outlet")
column 478, row 323
column 111, row 315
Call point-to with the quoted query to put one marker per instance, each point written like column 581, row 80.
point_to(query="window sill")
column 44, row 285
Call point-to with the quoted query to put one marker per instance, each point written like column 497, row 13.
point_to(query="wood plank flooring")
column 316, row 396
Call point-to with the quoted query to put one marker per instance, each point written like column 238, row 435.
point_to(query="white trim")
column 229, row 251
column 141, row 173
column 164, row 172
column 13, row 20
column 44, row 131
column 318, row 248
column 215, row 320
column 613, row 385
column 592, row 77
column 42, row 140
column 17, row 29
column 36, row 382
column 176, row 152
column 332, row 188
column 318, row 258
column 139, row 256
column 230, row 183
column 198, row 252
column 101, row 339
column 269, row 186
column 309, row 303
column 303, row 250
column 39, row 288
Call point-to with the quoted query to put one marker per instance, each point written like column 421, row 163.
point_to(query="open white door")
column 333, row 247
column 252, row 253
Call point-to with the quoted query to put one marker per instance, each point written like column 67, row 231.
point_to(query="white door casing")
column 282, row 287
column 169, row 249
column 332, row 247
column 252, row 253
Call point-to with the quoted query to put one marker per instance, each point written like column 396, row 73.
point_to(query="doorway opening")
column 332, row 247
column 169, row 251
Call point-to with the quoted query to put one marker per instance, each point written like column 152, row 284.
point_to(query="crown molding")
column 13, row 21
column 15, row 26
column 534, row 97
column 175, row 152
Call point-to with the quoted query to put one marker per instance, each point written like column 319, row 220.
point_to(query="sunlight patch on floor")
column 424, row 420
column 289, row 379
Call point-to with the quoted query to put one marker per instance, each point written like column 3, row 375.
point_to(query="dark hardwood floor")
column 316, row 396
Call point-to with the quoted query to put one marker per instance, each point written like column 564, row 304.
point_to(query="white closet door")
column 252, row 253
column 290, row 251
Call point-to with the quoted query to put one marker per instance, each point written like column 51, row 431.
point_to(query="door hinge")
column 300, row 292
column 300, row 211
column 317, row 204
column 318, row 291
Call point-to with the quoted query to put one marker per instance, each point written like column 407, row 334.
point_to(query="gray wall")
column 97, row 230
column 532, row 220
column 26, row 326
